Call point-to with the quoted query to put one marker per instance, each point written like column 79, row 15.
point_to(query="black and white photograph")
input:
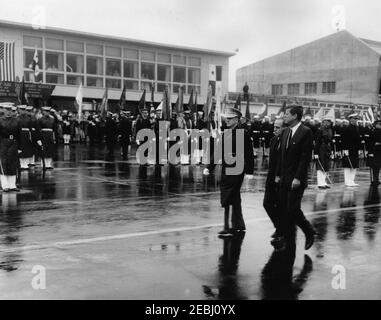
column 194, row 151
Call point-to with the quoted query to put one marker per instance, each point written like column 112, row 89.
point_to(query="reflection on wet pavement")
column 118, row 230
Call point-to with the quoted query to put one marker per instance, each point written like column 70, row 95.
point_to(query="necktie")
column 288, row 138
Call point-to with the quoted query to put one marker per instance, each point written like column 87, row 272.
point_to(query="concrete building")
column 67, row 58
column 339, row 68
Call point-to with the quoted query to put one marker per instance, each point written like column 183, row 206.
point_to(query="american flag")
column 7, row 61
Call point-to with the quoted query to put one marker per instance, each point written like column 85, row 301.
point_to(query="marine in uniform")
column 230, row 185
column 125, row 132
column 111, row 131
column 322, row 152
column 46, row 127
column 10, row 132
column 351, row 145
column 256, row 134
column 26, row 144
column 374, row 156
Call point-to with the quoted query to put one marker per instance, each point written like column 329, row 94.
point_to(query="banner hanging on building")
column 9, row 89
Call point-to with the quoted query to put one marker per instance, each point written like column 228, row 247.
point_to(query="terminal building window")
column 148, row 71
column 113, row 83
column 194, row 76
column 74, row 46
column 74, row 80
column 94, row 65
column 194, row 62
column 310, row 88
column 131, row 54
column 74, row 63
column 29, row 55
column 113, row 52
column 54, row 44
column 277, row 89
column 161, row 87
column 30, row 41
column 94, row 82
column 131, row 85
column 164, row 57
column 293, row 89
column 113, row 68
column 130, row 69
column 329, row 87
column 176, row 87
column 195, row 89
column 148, row 56
column 163, row 73
column 54, row 61
column 179, row 74
column 179, row 60
column 146, row 85
column 54, row 78
column 94, row 49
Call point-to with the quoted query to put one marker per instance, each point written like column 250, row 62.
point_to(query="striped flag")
column 7, row 61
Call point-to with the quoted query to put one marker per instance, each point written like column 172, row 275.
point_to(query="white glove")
column 137, row 142
column 370, row 155
column 316, row 156
column 205, row 172
column 346, row 152
column 39, row 143
column 250, row 176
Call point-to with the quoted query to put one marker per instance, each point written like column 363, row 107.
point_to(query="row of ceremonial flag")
column 166, row 109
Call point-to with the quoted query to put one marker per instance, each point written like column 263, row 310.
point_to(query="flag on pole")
column 141, row 104
column 104, row 104
column 369, row 114
column 7, row 61
column 180, row 100
column 208, row 104
column 122, row 100
column 152, row 94
column 34, row 66
column 237, row 104
column 78, row 101
column 218, row 113
column 190, row 103
column 23, row 95
column 166, row 105
column 319, row 115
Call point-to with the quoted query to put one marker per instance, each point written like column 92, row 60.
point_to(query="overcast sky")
column 258, row 28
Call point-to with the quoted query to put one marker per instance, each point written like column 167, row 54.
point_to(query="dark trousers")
column 271, row 204
column 292, row 214
column 375, row 172
column 237, row 221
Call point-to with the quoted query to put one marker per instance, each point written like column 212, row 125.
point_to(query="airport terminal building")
column 337, row 69
column 67, row 58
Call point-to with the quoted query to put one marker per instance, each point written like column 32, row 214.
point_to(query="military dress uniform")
column 374, row 157
column 322, row 154
column 46, row 127
column 125, row 132
column 267, row 131
column 351, row 145
column 337, row 140
column 230, row 185
column 256, row 135
column 111, row 131
column 26, row 143
column 10, row 132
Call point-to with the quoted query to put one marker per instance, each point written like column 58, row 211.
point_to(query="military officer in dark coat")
column 125, row 132
column 10, row 132
column 256, row 134
column 267, row 131
column 111, row 131
column 26, row 144
column 271, row 197
column 230, row 184
column 374, row 156
column 47, row 128
column 322, row 152
column 351, row 145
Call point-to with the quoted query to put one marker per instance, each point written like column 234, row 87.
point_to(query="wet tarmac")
column 117, row 230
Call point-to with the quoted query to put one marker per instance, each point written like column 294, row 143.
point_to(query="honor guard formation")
column 290, row 142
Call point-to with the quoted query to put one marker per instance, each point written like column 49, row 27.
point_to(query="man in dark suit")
column 271, row 197
column 292, row 168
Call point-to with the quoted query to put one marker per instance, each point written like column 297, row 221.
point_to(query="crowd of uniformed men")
column 30, row 134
